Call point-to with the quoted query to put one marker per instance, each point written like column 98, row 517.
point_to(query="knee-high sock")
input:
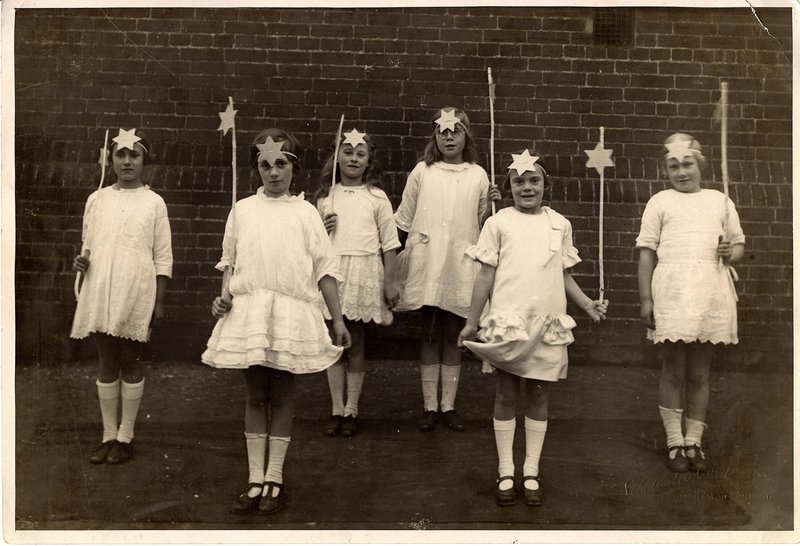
column 355, row 380
column 450, row 376
column 336, row 385
column 534, row 441
column 504, row 440
column 131, row 394
column 694, row 432
column 672, row 425
column 430, row 385
column 256, row 455
column 277, row 454
column 108, row 395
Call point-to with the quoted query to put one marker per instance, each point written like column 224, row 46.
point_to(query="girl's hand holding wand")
column 329, row 220
column 596, row 309
column 80, row 263
column 221, row 305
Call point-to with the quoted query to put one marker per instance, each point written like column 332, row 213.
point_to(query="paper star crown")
column 127, row 139
column 271, row 150
column 447, row 120
column 523, row 162
column 682, row 146
column 354, row 138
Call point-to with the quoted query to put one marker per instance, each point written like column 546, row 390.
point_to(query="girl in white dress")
column 269, row 325
column 358, row 216
column 688, row 238
column 525, row 253
column 126, row 260
column 443, row 207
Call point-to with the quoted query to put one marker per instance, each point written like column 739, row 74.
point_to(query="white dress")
column 364, row 228
column 441, row 209
column 694, row 298
column 279, row 250
column 128, row 235
column 525, row 329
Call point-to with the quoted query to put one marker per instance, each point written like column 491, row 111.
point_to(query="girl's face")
column 128, row 164
column 352, row 163
column 684, row 175
column 527, row 189
column 451, row 144
column 276, row 178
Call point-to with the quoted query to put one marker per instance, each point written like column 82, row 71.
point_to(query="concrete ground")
column 602, row 465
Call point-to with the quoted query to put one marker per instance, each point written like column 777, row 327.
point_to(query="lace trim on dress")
column 557, row 329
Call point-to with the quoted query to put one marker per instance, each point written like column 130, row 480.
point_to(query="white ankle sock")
column 504, row 440
column 534, row 441
column 672, row 425
column 277, row 454
column 430, row 385
column 131, row 394
column 694, row 432
column 256, row 455
column 355, row 380
column 336, row 386
column 450, row 376
column 108, row 395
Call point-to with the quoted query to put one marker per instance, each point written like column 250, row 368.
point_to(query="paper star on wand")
column 270, row 150
column 126, row 139
column 523, row 162
column 103, row 159
column 678, row 149
column 226, row 119
column 447, row 120
column 599, row 158
column 354, row 138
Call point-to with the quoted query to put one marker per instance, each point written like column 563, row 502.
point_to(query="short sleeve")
column 88, row 211
column 408, row 205
column 733, row 228
column 162, row 241
column 650, row 231
column 228, row 245
column 483, row 200
column 487, row 250
column 569, row 254
column 323, row 257
column 384, row 219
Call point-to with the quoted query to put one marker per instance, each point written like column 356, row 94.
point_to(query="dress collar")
column 455, row 167
column 284, row 197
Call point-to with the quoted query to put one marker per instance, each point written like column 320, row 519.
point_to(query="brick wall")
column 171, row 71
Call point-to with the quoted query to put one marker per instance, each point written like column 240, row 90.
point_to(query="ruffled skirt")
column 533, row 347
column 694, row 302
column 265, row 328
column 361, row 293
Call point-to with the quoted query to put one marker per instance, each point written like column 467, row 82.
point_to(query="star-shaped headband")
column 127, row 139
column 680, row 148
column 523, row 162
column 354, row 138
column 447, row 120
column 271, row 150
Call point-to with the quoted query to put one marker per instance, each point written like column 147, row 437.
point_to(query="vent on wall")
column 613, row 26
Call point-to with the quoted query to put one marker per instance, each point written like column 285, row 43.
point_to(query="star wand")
column 103, row 160
column 227, row 122
column 599, row 159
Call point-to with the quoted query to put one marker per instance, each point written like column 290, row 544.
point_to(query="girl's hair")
column 371, row 176
column 431, row 154
column 290, row 144
column 694, row 147
column 547, row 182
column 147, row 157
